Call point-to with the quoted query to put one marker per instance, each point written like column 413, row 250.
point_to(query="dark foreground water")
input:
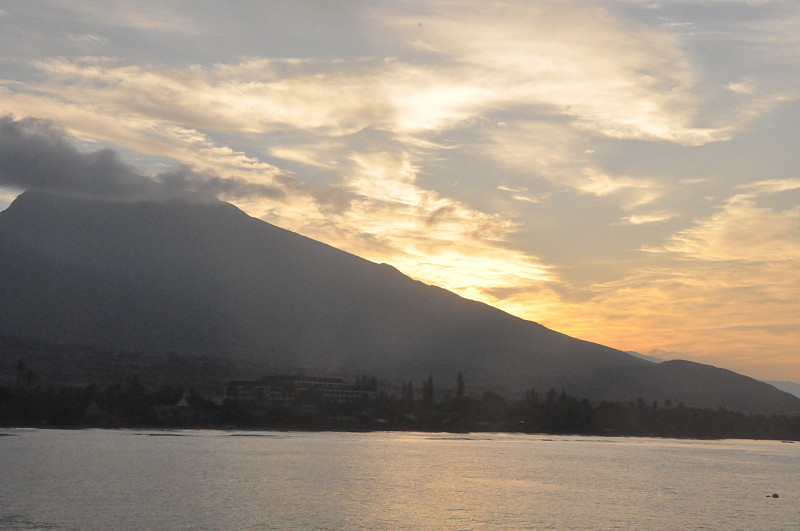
column 128, row 479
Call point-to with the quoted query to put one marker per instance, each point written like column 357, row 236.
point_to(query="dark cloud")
column 184, row 179
column 439, row 214
column 333, row 199
column 36, row 155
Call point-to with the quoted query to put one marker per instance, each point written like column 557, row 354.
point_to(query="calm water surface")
column 128, row 479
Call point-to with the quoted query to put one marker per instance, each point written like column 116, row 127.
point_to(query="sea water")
column 191, row 479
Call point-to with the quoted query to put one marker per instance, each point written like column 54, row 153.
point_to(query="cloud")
column 643, row 218
column 633, row 192
column 580, row 62
column 252, row 96
column 88, row 41
column 770, row 186
column 185, row 179
column 381, row 213
column 731, row 279
column 35, row 154
column 151, row 136
column 522, row 194
column 391, row 145
column 533, row 65
column 577, row 63
column 744, row 231
column 142, row 15
column 554, row 151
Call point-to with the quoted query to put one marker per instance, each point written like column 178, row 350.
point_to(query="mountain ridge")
column 205, row 278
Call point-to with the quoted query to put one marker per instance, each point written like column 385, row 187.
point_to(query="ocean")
column 204, row 479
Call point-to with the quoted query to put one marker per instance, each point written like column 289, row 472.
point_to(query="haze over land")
column 621, row 171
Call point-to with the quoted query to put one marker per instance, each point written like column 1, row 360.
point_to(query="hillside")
column 208, row 280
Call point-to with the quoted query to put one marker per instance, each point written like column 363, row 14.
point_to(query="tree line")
column 556, row 412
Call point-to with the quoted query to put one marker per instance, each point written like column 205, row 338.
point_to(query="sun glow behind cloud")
column 576, row 163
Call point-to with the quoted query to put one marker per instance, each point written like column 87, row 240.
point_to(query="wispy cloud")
column 643, row 218
column 88, row 41
column 429, row 236
column 634, row 192
column 522, row 194
column 743, row 231
column 771, row 186
column 582, row 67
column 144, row 15
column 555, row 152
column 579, row 62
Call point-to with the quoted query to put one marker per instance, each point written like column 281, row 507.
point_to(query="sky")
column 622, row 171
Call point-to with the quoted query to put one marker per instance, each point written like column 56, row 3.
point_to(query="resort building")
column 288, row 390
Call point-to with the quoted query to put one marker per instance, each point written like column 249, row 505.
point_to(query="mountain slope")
column 695, row 384
column 208, row 279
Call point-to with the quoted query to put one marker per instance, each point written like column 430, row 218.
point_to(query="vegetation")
column 28, row 403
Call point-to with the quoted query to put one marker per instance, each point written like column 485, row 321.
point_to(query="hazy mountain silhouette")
column 644, row 356
column 793, row 388
column 205, row 278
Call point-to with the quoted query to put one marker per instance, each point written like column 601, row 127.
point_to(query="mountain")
column 205, row 279
column 793, row 388
column 644, row 356
column 694, row 384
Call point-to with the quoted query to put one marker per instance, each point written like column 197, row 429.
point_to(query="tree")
column 427, row 392
column 21, row 367
column 408, row 392
column 551, row 396
column 30, row 377
column 460, row 386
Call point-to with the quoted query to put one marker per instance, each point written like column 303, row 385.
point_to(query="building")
column 244, row 392
column 294, row 391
